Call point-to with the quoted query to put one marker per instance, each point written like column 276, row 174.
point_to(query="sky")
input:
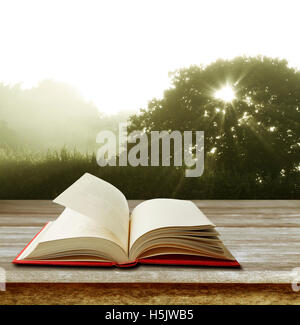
column 118, row 53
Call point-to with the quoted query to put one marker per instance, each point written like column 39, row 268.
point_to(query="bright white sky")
column 118, row 53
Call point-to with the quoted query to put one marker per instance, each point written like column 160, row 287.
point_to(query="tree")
column 7, row 136
column 49, row 115
column 256, row 131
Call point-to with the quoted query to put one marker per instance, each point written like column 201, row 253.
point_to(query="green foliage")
column 26, row 176
column 50, row 116
column 258, row 133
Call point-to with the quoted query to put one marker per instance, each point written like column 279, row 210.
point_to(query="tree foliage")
column 50, row 116
column 258, row 132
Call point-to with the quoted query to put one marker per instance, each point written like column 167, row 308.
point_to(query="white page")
column 102, row 203
column 71, row 224
column 159, row 213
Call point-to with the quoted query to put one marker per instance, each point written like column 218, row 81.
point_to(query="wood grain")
column 154, row 294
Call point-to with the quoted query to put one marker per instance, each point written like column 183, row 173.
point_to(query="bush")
column 28, row 176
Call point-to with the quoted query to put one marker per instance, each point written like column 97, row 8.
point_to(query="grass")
column 33, row 176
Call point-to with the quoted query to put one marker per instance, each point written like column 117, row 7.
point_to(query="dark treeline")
column 47, row 177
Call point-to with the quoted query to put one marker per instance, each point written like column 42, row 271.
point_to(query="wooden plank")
column 48, row 207
column 156, row 294
column 28, row 206
column 222, row 213
column 145, row 274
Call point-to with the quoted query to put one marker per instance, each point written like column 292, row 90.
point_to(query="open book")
column 96, row 228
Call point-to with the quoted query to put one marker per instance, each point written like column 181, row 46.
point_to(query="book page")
column 100, row 205
column 160, row 213
column 71, row 224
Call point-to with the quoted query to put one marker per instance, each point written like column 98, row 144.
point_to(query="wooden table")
column 262, row 235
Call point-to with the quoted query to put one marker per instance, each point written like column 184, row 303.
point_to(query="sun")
column 226, row 94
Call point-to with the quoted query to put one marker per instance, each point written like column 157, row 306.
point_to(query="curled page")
column 101, row 202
